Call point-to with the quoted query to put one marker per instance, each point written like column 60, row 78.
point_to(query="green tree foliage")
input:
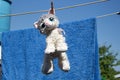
column 107, row 61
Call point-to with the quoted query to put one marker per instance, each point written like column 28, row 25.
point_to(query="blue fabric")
column 23, row 52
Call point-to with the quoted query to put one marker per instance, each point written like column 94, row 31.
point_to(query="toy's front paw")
column 49, row 50
column 62, row 47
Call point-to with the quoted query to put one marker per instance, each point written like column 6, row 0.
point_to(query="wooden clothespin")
column 52, row 10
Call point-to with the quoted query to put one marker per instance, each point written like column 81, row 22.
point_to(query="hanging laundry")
column 23, row 50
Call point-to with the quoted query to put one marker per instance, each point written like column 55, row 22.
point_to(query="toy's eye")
column 51, row 19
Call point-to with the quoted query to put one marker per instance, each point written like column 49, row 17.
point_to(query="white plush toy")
column 56, row 46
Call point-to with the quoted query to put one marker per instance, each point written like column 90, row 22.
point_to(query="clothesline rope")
column 62, row 8
column 110, row 14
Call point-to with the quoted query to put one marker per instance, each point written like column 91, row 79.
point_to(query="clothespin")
column 118, row 13
column 52, row 10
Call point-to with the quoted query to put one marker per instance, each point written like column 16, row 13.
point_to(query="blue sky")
column 108, row 28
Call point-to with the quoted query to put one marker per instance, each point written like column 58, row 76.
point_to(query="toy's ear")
column 35, row 24
column 52, row 10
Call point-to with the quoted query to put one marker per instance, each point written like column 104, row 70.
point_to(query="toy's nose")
column 43, row 25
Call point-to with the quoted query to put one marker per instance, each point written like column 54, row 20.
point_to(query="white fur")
column 55, row 41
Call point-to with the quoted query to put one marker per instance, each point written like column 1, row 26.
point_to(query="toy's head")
column 47, row 22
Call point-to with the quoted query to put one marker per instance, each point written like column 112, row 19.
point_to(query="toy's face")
column 47, row 22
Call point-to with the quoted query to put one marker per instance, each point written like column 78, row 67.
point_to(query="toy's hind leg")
column 63, row 61
column 47, row 66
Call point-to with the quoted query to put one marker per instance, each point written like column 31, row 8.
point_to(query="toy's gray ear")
column 35, row 24
column 52, row 10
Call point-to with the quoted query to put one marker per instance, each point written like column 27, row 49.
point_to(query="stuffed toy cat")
column 56, row 46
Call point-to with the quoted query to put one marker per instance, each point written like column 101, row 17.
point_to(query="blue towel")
column 23, row 52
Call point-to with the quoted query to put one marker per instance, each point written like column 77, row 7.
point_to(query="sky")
column 108, row 28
